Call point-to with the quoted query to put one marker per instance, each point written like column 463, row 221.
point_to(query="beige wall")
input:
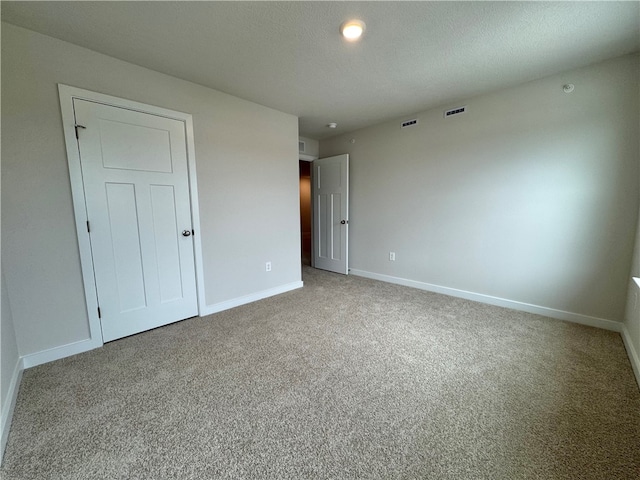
column 247, row 168
column 530, row 196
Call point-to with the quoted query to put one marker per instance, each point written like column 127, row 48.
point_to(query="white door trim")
column 67, row 94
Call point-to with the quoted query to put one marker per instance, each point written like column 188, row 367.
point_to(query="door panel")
column 329, row 175
column 135, row 174
column 134, row 147
column 125, row 240
column 167, row 248
column 331, row 213
column 322, row 209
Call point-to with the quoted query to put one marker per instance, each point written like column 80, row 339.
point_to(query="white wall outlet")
column 267, row 266
column 392, row 256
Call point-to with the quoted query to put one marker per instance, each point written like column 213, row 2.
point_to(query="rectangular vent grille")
column 301, row 147
column 409, row 123
column 455, row 111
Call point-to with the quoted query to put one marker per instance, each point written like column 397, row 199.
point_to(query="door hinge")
column 77, row 127
column 99, row 313
column 88, row 227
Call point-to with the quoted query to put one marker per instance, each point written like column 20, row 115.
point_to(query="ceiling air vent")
column 409, row 123
column 301, row 147
column 455, row 111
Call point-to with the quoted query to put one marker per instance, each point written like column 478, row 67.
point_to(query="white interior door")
column 135, row 175
column 331, row 213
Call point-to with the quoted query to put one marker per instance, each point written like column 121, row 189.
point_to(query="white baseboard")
column 8, row 405
column 254, row 297
column 500, row 302
column 631, row 352
column 56, row 353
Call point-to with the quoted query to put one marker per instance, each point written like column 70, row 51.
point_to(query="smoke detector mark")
column 455, row 111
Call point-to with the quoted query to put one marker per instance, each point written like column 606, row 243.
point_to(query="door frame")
column 67, row 94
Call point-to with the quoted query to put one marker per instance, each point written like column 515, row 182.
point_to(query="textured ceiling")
column 290, row 56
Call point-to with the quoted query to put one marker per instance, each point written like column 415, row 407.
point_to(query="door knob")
column 186, row 233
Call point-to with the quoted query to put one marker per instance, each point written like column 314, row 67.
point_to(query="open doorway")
column 305, row 212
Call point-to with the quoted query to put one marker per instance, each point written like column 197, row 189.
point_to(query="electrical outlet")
column 392, row 256
column 267, row 266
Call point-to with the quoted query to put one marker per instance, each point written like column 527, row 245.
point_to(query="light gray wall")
column 247, row 168
column 530, row 196
column 9, row 359
column 632, row 314
column 311, row 146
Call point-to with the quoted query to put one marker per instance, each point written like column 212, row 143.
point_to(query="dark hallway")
column 305, row 211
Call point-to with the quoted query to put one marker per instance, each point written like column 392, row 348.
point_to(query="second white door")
column 331, row 213
column 136, row 183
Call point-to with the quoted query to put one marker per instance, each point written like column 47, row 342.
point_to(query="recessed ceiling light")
column 352, row 29
column 332, row 125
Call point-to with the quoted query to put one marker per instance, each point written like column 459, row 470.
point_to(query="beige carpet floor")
column 346, row 378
